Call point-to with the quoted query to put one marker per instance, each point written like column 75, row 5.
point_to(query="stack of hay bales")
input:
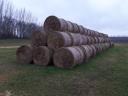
column 63, row 43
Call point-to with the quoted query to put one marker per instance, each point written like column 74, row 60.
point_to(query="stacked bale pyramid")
column 63, row 43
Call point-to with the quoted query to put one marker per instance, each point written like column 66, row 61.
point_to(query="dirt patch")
column 6, row 76
column 3, row 78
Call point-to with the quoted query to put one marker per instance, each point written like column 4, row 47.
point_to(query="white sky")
column 107, row 16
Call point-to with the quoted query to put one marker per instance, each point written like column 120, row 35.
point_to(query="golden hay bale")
column 24, row 54
column 66, row 57
column 38, row 38
column 59, row 39
column 53, row 23
column 42, row 55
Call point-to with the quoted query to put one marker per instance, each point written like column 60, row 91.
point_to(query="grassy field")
column 104, row 75
column 13, row 42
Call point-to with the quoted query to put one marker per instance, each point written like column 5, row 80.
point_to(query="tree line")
column 15, row 23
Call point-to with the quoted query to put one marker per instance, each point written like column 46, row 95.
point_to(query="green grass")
column 104, row 75
column 13, row 42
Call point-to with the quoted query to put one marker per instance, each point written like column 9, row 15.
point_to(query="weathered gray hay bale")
column 76, row 39
column 85, row 31
column 91, row 32
column 81, row 29
column 92, row 40
column 70, row 26
column 101, row 47
column 84, row 40
column 42, row 55
column 101, row 40
column 91, row 50
column 89, row 39
column 96, row 39
column 66, row 57
column 38, row 38
column 96, row 34
column 81, row 57
column 59, row 39
column 104, row 46
column 24, row 54
column 88, row 32
column 86, row 51
column 94, row 50
column 98, row 49
column 53, row 23
column 75, row 28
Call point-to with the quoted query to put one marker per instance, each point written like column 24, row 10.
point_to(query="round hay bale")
column 66, row 57
column 85, row 31
column 91, row 50
column 84, row 40
column 76, row 38
column 96, row 39
column 89, row 40
column 42, row 55
column 96, row 34
column 81, row 29
column 94, row 50
column 24, row 54
column 76, row 28
column 92, row 40
column 97, row 46
column 70, row 26
column 81, row 57
column 59, row 39
column 53, row 23
column 38, row 38
column 86, row 52
column 100, row 47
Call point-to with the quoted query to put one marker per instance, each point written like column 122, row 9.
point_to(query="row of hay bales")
column 62, row 43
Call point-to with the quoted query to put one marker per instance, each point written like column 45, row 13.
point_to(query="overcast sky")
column 107, row 16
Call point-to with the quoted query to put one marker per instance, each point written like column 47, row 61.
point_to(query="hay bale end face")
column 42, row 55
column 38, row 38
column 53, row 23
column 59, row 39
column 24, row 54
column 67, row 57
